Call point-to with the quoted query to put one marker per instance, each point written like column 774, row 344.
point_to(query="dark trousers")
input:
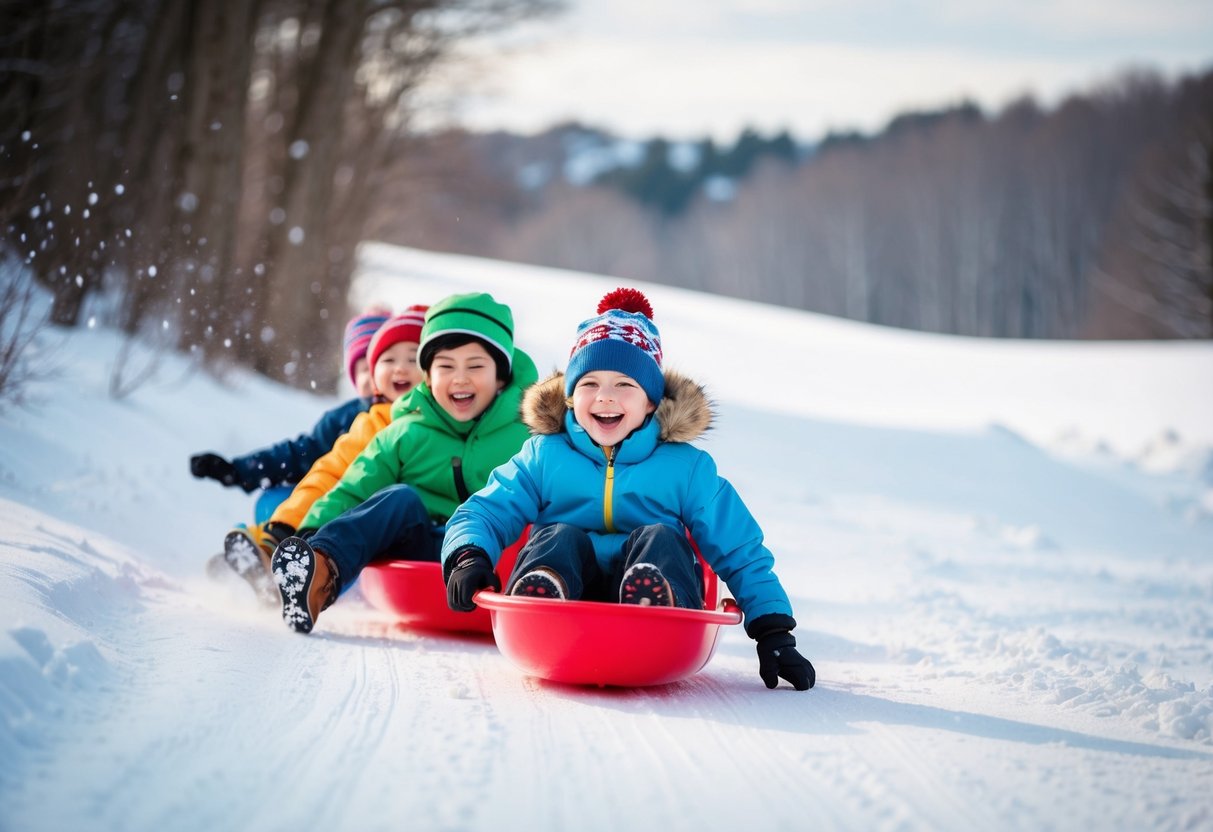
column 392, row 525
column 568, row 552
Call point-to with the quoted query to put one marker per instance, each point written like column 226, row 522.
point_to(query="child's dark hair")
column 455, row 340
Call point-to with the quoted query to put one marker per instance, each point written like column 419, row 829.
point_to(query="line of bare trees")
column 213, row 161
column 1093, row 219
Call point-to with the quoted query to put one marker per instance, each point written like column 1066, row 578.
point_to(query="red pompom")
column 626, row 300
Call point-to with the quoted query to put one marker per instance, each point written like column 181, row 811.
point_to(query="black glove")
column 214, row 467
column 472, row 571
column 777, row 654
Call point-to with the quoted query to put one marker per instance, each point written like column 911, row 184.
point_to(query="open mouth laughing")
column 608, row 420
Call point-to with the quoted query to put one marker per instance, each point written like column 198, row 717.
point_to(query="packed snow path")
column 1009, row 632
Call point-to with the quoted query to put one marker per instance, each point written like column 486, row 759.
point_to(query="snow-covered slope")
column 1001, row 557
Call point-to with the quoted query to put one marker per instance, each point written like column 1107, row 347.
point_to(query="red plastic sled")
column 597, row 643
column 413, row 591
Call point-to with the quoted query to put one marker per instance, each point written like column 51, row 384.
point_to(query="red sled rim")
column 597, row 643
column 413, row 592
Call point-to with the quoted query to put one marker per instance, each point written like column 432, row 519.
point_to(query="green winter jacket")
column 428, row 450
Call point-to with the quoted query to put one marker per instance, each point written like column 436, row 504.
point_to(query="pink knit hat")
column 358, row 333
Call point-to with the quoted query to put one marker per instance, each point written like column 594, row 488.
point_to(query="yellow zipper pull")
column 608, row 509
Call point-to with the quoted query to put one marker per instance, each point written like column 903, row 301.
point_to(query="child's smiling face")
column 396, row 371
column 464, row 380
column 609, row 406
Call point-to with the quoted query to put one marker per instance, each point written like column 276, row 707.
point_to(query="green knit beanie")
column 475, row 314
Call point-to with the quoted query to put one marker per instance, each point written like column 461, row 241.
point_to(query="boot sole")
column 538, row 585
column 294, row 569
column 645, row 586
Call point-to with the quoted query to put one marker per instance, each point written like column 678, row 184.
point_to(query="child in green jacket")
column 446, row 436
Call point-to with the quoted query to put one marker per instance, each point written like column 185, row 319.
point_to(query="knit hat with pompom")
column 621, row 338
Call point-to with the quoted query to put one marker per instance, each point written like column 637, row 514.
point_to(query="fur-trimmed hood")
column 684, row 413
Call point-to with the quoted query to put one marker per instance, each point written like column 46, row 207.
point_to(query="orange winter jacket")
column 326, row 471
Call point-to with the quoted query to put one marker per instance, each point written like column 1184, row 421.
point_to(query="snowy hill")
column 1000, row 555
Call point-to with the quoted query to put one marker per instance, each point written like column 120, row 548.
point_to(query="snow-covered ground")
column 1000, row 554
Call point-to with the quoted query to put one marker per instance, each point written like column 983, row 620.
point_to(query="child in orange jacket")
column 392, row 356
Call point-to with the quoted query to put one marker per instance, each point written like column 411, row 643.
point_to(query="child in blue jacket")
column 611, row 486
column 286, row 462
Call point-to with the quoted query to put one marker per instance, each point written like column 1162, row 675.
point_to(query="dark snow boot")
column 307, row 582
column 248, row 561
column 540, row 583
column 643, row 584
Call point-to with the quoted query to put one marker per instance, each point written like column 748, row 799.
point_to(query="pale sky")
column 688, row 68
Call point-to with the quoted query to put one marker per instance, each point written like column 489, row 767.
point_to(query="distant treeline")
column 212, row 166
column 1091, row 219
column 669, row 188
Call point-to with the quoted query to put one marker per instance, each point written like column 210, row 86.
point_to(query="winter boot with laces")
column 540, row 583
column 307, row 582
column 644, row 584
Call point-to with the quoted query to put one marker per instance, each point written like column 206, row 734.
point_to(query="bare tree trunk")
column 67, row 126
column 298, row 247
column 211, row 169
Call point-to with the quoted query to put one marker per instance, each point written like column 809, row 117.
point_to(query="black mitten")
column 777, row 653
column 214, row 467
column 472, row 571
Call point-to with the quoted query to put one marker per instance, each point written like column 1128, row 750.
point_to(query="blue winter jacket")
column 286, row 462
column 562, row 476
